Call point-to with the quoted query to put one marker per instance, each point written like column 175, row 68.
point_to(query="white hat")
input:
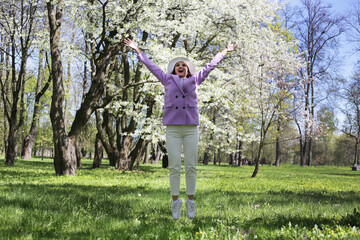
column 181, row 59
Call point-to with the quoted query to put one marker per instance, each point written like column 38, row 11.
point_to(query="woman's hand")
column 132, row 44
column 230, row 47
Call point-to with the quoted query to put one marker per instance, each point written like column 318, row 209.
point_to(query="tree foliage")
column 101, row 91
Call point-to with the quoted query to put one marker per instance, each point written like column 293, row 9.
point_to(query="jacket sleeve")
column 153, row 68
column 200, row 76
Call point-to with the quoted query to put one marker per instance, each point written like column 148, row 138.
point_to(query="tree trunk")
column 356, row 158
column 312, row 114
column 98, row 152
column 258, row 157
column 214, row 156
column 109, row 143
column 78, row 154
column 239, row 152
column 29, row 141
column 147, row 149
column 303, row 148
column 67, row 86
column 30, row 137
column 17, row 95
column 219, row 156
column 231, row 156
column 278, row 153
column 64, row 156
column 278, row 150
column 232, row 159
column 206, row 156
column 5, row 60
column 123, row 163
column 11, row 142
column 158, row 154
column 310, row 152
column 64, row 146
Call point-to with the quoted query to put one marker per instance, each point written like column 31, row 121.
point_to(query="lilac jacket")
column 181, row 103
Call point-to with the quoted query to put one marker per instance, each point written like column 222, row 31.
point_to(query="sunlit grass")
column 107, row 204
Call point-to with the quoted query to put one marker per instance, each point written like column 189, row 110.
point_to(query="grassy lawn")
column 289, row 202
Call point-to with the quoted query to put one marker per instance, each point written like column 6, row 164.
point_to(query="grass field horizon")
column 288, row 202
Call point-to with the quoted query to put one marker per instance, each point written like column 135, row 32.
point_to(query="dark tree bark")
column 232, row 159
column 5, row 88
column 17, row 96
column 20, row 18
column 29, row 140
column 157, row 154
column 239, row 152
column 278, row 149
column 78, row 154
column 214, row 157
column 64, row 146
column 302, row 150
column 206, row 156
column 98, row 152
column 258, row 157
column 356, row 158
column 106, row 136
column 150, row 100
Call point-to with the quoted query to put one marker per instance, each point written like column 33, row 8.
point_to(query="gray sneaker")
column 176, row 209
column 190, row 209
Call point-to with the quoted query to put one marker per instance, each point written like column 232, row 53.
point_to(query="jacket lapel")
column 178, row 83
column 189, row 85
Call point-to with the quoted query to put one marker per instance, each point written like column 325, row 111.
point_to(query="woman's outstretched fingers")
column 231, row 46
column 132, row 44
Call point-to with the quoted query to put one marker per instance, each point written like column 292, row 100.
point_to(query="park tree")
column 4, row 61
column 327, row 127
column 65, row 159
column 269, row 97
column 196, row 29
column 351, row 111
column 317, row 31
column 17, row 20
column 344, row 151
column 200, row 42
column 103, row 24
column 41, row 88
column 353, row 21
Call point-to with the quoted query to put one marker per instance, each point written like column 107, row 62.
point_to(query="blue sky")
column 347, row 50
column 340, row 5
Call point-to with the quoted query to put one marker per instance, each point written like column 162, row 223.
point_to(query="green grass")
column 289, row 202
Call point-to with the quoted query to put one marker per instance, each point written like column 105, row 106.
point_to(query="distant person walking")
column 181, row 118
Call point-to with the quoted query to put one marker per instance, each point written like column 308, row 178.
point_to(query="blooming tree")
column 243, row 89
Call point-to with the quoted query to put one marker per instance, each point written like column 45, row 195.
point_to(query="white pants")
column 176, row 137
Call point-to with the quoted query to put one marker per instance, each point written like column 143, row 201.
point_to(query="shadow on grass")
column 353, row 174
column 80, row 210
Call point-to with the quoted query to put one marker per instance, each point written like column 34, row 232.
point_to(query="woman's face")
column 181, row 69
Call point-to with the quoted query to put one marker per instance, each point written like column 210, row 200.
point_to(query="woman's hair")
column 188, row 71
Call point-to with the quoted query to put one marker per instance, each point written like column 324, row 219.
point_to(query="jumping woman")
column 181, row 118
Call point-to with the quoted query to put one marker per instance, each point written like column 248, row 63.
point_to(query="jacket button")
column 183, row 107
column 176, row 107
column 176, row 96
column 183, row 96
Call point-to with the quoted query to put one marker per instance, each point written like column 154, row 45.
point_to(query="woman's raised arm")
column 159, row 74
column 132, row 44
